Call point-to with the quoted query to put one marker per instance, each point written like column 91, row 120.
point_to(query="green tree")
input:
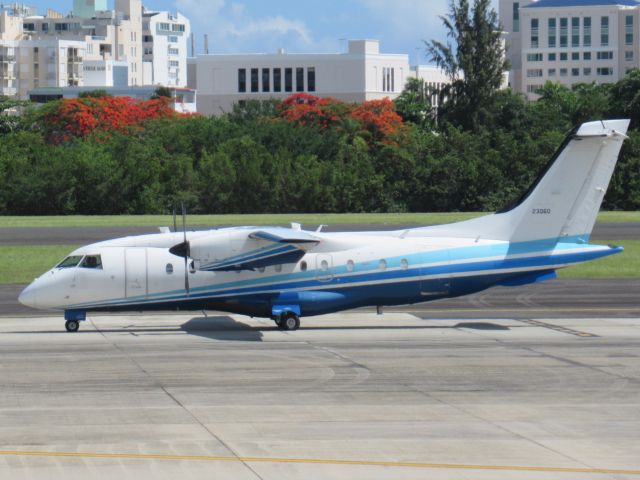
column 474, row 60
column 414, row 103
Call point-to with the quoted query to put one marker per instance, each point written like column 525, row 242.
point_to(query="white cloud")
column 231, row 28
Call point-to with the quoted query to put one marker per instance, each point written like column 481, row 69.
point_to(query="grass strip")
column 266, row 219
column 21, row 264
column 621, row 265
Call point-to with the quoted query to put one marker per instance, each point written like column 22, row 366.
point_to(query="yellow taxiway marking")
column 366, row 463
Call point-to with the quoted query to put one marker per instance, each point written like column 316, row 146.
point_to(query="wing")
column 249, row 249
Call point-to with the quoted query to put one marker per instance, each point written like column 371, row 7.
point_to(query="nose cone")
column 29, row 297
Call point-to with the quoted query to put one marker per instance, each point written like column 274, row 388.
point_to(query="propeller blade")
column 175, row 226
column 187, row 249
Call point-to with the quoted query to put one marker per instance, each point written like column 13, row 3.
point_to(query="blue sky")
column 236, row 26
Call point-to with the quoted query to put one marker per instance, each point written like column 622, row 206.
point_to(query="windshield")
column 70, row 262
column 92, row 261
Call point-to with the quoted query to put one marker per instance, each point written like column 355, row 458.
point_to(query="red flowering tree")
column 80, row 117
column 378, row 118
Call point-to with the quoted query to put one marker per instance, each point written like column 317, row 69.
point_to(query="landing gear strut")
column 72, row 325
column 288, row 321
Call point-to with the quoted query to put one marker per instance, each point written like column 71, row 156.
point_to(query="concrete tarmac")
column 349, row 396
column 86, row 235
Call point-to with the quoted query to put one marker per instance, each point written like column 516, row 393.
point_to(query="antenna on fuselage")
column 187, row 248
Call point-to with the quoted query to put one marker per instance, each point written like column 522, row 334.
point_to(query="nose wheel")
column 288, row 321
column 72, row 325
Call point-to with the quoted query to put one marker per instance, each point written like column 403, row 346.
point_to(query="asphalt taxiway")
column 353, row 395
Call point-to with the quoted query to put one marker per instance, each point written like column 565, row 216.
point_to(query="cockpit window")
column 69, row 262
column 92, row 261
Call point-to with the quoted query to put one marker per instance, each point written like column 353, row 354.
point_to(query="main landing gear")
column 72, row 325
column 288, row 321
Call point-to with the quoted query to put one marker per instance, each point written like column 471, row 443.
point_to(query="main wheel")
column 290, row 321
column 72, row 325
column 280, row 323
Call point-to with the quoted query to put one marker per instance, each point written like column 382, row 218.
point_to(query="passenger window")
column 383, row 265
column 350, row 266
column 69, row 262
column 404, row 263
column 92, row 261
column 169, row 268
column 261, row 269
column 324, row 266
column 303, row 266
column 278, row 268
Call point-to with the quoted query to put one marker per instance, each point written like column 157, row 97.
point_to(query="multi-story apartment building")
column 570, row 41
column 164, row 43
column 362, row 73
column 92, row 46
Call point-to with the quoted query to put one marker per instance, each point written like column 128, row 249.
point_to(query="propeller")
column 187, row 249
column 183, row 249
column 175, row 226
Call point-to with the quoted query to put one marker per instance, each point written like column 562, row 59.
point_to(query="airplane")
column 287, row 273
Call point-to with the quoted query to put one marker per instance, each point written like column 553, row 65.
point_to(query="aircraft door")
column 324, row 267
column 435, row 275
column 135, row 261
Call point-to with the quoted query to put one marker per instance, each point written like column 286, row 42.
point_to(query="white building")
column 49, row 62
column 570, row 41
column 362, row 73
column 107, row 47
column 164, row 42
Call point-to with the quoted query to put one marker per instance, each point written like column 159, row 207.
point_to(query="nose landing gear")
column 73, row 319
column 72, row 325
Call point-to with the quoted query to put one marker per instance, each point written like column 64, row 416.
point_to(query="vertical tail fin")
column 564, row 201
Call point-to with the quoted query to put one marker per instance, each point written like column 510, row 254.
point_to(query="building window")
column 311, row 79
column 165, row 27
column 174, row 51
column 534, row 32
column 288, row 80
column 45, row 27
column 575, row 55
column 586, row 72
column 552, row 72
column 575, row 32
column 628, row 56
column 563, row 72
column 552, row 57
column 586, row 39
column 299, row 79
column 533, row 88
column 604, row 31
column 534, row 57
column 628, row 30
column 172, row 39
column 552, row 33
column 575, row 72
column 177, row 27
column 586, row 56
column 266, row 87
column 604, row 72
column 516, row 16
column 606, row 55
column 277, row 80
column 242, row 80
column 534, row 73
column 564, row 26
column 254, row 80
column 172, row 63
column 563, row 57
